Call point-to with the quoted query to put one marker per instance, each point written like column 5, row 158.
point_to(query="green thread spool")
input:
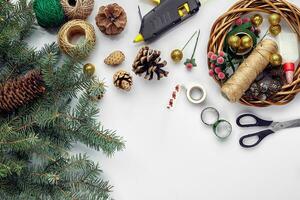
column 49, row 13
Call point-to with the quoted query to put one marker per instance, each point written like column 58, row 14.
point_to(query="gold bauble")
column 246, row 42
column 275, row 30
column 275, row 59
column 89, row 69
column 257, row 20
column 176, row 55
column 234, row 41
column 274, row 19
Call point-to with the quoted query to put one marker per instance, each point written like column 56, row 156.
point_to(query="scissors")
column 272, row 127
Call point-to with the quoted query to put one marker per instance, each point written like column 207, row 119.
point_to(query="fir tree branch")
column 35, row 139
column 30, row 139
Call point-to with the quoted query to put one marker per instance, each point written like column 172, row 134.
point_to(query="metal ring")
column 222, row 129
column 210, row 116
column 199, row 88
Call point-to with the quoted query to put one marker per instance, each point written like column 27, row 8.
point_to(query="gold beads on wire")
column 275, row 59
column 246, row 42
column 177, row 55
column 257, row 20
column 234, row 41
column 274, row 19
column 275, row 30
column 89, row 69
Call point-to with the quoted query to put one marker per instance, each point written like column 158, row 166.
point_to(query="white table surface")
column 171, row 155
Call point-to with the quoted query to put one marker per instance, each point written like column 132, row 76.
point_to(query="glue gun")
column 165, row 16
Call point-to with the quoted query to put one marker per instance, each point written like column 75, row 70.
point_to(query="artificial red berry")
column 189, row 66
column 239, row 22
column 218, row 70
column 246, row 20
column 211, row 72
column 221, row 75
column 222, row 53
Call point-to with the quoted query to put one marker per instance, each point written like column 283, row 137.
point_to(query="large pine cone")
column 18, row 92
column 148, row 61
column 111, row 19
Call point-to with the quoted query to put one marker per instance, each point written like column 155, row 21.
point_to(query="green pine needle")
column 35, row 139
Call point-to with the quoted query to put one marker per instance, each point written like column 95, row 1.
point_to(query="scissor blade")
column 288, row 124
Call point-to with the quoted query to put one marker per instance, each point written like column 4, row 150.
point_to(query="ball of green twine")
column 49, row 13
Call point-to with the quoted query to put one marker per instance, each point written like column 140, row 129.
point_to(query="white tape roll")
column 196, row 89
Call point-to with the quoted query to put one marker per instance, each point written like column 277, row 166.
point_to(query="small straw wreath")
column 288, row 11
column 82, row 48
column 77, row 9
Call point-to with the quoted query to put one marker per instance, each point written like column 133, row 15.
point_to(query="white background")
column 171, row 155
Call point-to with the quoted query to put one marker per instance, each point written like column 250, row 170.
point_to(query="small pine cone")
column 115, row 58
column 123, row 80
column 111, row 19
column 148, row 61
column 97, row 90
column 20, row 91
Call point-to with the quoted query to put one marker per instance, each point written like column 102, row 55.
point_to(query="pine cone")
column 123, row 80
column 115, row 58
column 18, row 92
column 111, row 19
column 97, row 90
column 148, row 61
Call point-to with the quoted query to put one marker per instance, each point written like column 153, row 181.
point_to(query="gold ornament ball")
column 246, row 42
column 89, row 69
column 274, row 19
column 257, row 20
column 275, row 59
column 176, row 55
column 275, row 30
column 234, row 41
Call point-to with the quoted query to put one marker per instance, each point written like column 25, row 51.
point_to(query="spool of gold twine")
column 247, row 72
column 83, row 47
column 77, row 9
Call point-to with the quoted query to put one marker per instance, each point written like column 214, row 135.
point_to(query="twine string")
column 247, row 72
column 78, row 9
column 82, row 48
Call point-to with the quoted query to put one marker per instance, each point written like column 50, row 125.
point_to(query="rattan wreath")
column 289, row 12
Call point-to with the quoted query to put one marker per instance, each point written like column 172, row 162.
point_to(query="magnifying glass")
column 211, row 117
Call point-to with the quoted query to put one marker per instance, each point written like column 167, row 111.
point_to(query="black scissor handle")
column 258, row 121
column 260, row 136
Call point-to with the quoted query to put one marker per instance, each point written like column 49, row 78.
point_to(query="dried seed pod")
column 123, row 80
column 115, row 58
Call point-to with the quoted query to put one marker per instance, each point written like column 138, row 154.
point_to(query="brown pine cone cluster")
column 111, row 19
column 123, row 80
column 148, row 61
column 20, row 91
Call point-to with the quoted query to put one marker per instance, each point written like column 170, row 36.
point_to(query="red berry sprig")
column 191, row 62
column 216, row 64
